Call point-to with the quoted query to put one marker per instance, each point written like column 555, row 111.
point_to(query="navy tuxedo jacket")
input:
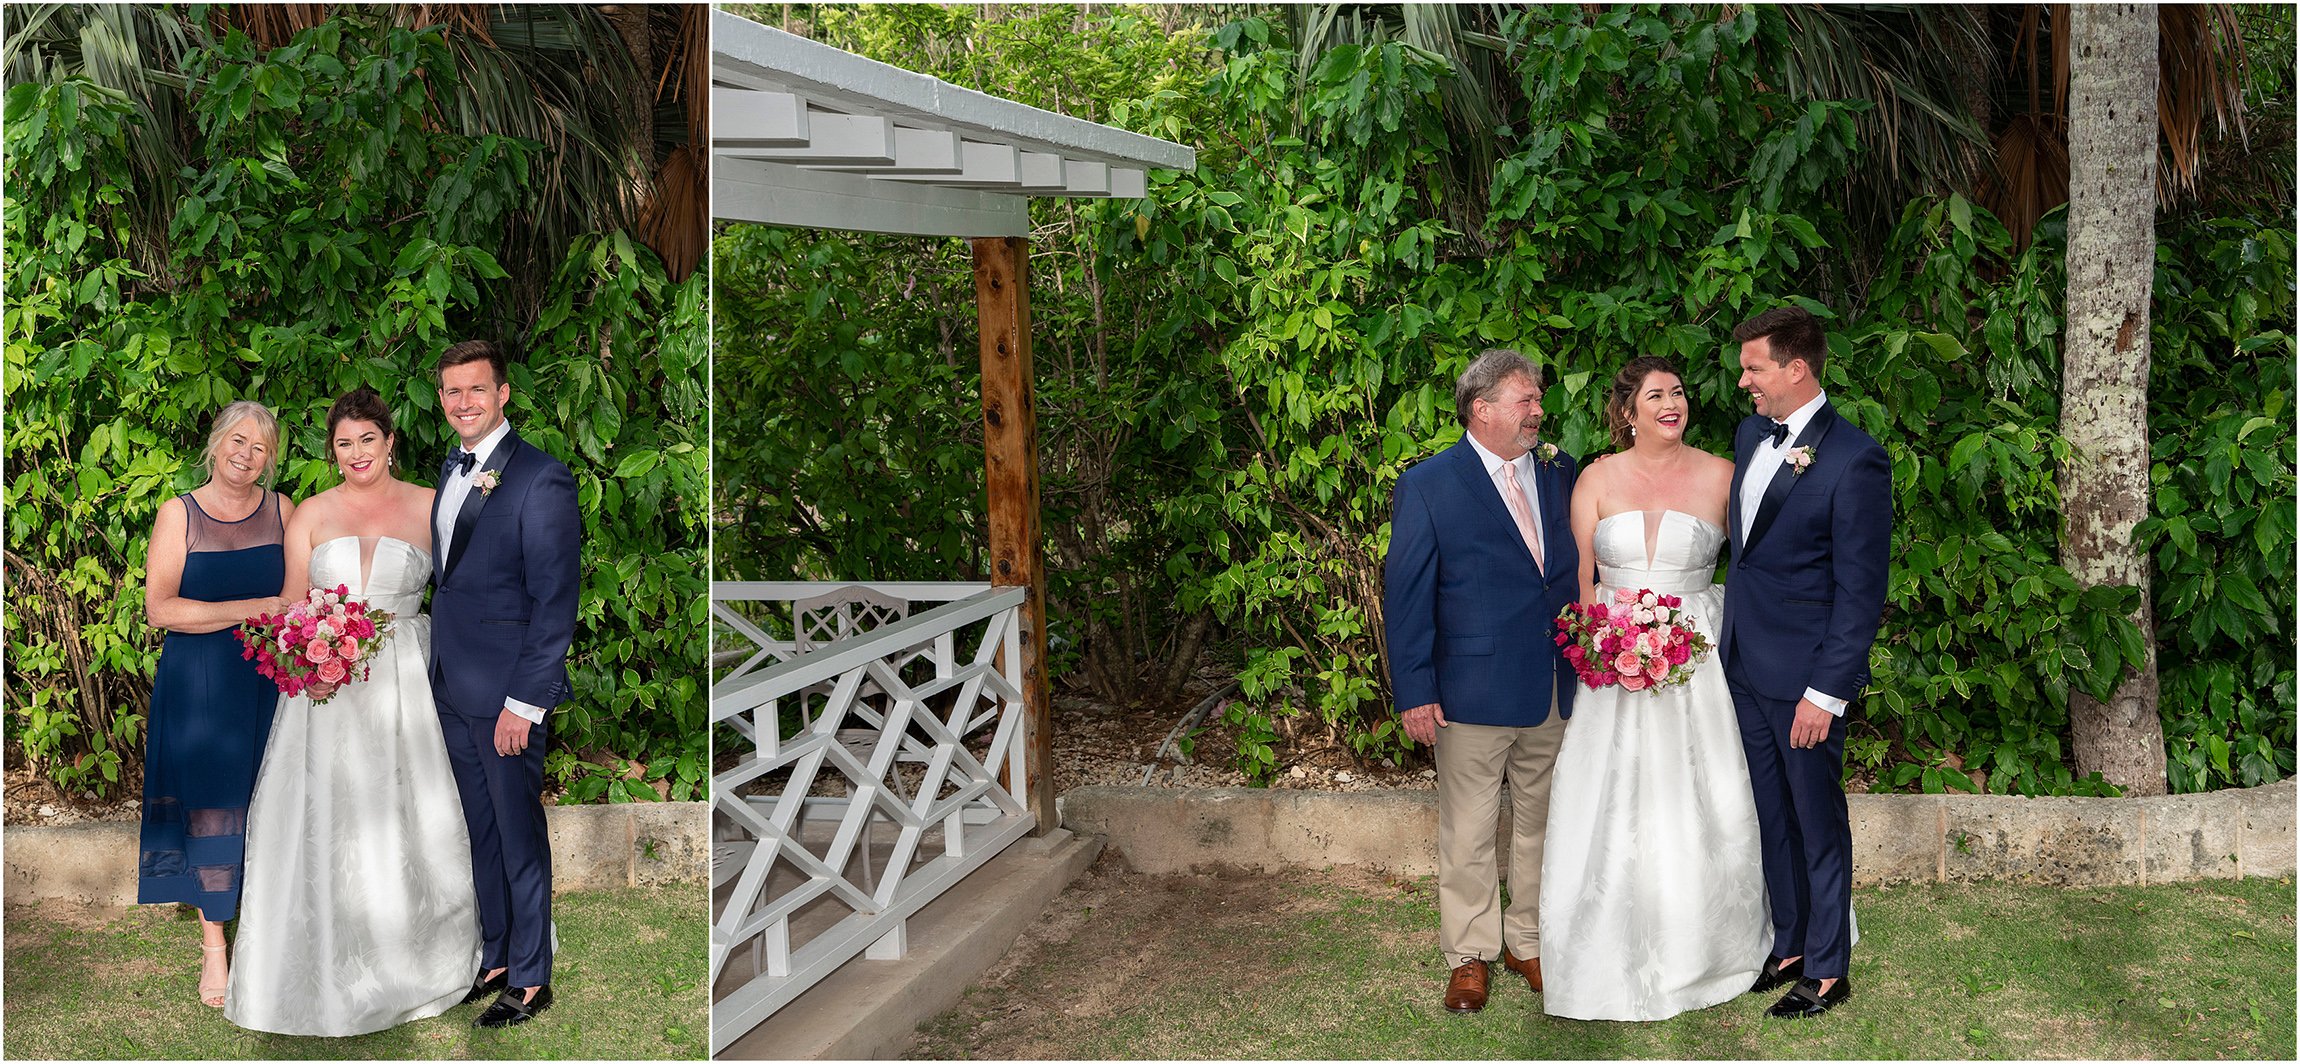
column 1806, row 591
column 1469, row 620
column 503, row 614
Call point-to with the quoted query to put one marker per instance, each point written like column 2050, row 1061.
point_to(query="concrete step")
column 868, row 1009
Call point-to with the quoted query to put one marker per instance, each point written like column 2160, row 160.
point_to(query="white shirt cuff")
column 534, row 714
column 1835, row 705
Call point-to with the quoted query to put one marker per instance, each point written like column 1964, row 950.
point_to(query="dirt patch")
column 1104, row 745
column 1115, row 938
column 31, row 798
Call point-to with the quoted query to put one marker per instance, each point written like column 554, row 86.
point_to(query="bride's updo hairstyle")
column 359, row 404
column 1621, row 399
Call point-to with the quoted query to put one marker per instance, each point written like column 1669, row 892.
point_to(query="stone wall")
column 593, row 847
column 1897, row 838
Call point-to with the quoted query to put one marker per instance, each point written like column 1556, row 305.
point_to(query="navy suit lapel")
column 1733, row 499
column 439, row 550
column 1471, row 468
column 1547, row 479
column 475, row 500
column 1778, row 489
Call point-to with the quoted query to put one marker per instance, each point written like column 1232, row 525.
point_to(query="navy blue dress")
column 210, row 717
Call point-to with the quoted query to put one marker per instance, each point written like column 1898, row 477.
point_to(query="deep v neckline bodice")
column 364, row 563
column 1650, row 530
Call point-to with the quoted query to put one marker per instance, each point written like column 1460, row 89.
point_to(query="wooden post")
column 1010, row 455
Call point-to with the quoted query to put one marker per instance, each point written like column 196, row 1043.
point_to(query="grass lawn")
column 113, row 984
column 1344, row 965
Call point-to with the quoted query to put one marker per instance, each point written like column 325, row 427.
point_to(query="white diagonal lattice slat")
column 872, row 780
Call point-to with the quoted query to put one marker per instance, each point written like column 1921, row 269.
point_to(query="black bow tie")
column 1780, row 432
column 461, row 460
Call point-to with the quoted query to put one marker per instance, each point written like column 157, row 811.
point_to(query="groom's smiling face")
column 472, row 400
column 1776, row 390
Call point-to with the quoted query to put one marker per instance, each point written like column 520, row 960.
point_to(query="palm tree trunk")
column 2104, row 383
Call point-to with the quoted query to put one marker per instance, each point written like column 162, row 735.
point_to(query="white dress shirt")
column 452, row 493
column 1763, row 465
column 1523, row 464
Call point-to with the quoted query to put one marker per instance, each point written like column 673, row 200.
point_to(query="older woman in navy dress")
column 215, row 560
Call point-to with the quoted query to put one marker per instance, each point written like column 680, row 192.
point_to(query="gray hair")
column 1485, row 374
column 232, row 414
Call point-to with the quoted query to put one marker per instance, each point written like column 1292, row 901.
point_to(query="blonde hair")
column 232, row 414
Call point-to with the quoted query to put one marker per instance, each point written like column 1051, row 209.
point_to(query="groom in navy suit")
column 1812, row 528
column 507, row 572
column 1481, row 561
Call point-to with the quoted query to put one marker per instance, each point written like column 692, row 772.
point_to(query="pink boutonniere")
column 1800, row 459
column 1545, row 454
column 485, row 480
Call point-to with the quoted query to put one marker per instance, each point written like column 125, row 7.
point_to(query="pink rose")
column 1633, row 681
column 1626, row 662
column 318, row 650
column 348, row 650
column 1657, row 668
column 333, row 672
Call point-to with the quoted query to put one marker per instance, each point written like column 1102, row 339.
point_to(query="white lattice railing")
column 887, row 729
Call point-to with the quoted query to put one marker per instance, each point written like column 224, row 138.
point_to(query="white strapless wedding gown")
column 358, row 911
column 1652, row 885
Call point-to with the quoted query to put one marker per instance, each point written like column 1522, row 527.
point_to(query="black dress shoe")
column 510, row 1010
column 1775, row 975
column 481, row 985
column 1806, row 999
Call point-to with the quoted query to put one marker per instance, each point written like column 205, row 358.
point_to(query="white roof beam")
column 855, row 140
column 747, row 118
column 916, row 151
column 751, row 190
column 746, row 53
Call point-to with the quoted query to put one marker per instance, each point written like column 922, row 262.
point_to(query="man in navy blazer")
column 1481, row 561
column 1812, row 528
column 507, row 571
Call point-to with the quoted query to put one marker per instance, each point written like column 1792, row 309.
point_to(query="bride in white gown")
column 1652, row 886
column 358, row 911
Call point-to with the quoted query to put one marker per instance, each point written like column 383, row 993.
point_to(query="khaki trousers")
column 1472, row 762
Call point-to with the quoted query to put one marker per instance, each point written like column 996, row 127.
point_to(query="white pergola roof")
column 804, row 134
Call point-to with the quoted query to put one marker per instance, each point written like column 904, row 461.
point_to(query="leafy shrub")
column 333, row 235
column 1296, row 309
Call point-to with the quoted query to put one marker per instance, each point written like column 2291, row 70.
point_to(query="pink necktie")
column 1514, row 497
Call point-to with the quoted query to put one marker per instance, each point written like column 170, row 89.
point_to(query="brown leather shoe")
column 1531, row 970
column 1465, row 992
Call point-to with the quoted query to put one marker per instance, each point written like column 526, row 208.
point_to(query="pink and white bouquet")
column 1641, row 639
column 318, row 645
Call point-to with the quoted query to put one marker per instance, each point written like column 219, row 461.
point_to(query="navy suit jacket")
column 503, row 614
column 1469, row 620
column 1806, row 591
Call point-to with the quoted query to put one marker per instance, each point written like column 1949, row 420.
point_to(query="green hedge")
column 332, row 235
column 1269, row 340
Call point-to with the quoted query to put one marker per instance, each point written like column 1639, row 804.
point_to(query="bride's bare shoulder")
column 313, row 509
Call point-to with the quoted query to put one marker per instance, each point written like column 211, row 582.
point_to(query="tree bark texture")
column 1010, row 457
column 2104, row 383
